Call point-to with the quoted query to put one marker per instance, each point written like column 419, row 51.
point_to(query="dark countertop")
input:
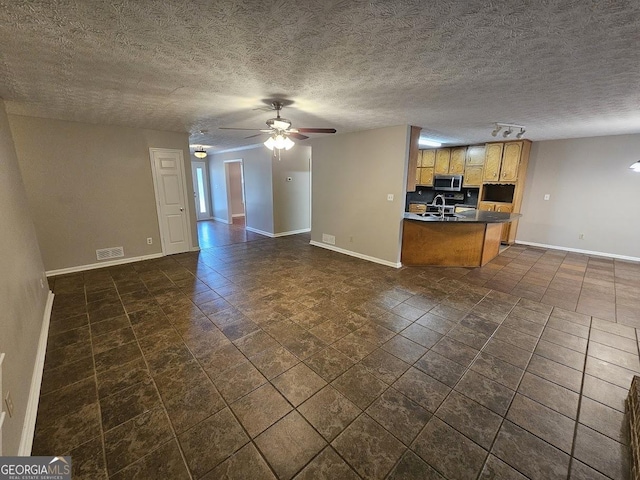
column 471, row 216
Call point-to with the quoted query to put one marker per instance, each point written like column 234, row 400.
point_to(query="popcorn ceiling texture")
column 563, row 68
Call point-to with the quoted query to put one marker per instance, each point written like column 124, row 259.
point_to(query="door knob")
column 181, row 209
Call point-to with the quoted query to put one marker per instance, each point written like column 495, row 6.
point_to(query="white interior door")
column 168, row 180
column 201, row 190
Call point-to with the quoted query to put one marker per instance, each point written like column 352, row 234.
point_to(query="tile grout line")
column 579, row 411
column 175, row 436
column 504, row 418
column 95, row 376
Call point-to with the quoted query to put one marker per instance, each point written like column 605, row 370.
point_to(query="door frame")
column 187, row 204
column 207, row 197
column 228, row 183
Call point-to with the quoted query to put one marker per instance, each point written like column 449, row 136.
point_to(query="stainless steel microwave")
column 447, row 183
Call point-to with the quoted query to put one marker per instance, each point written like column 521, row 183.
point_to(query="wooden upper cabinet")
column 493, row 159
column 456, row 163
column 475, row 155
column 472, row 176
column 426, row 176
column 443, row 156
column 510, row 161
column 428, row 158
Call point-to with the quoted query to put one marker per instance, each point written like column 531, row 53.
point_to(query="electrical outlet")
column 390, row 197
column 149, row 241
column 547, row 196
column 581, row 236
column 9, row 402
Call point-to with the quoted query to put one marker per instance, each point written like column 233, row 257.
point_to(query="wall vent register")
column 107, row 253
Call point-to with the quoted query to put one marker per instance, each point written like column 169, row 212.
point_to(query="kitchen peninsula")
column 466, row 239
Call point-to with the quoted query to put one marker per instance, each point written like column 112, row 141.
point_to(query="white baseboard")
column 236, row 215
column 29, row 425
column 261, row 232
column 578, row 250
column 276, row 235
column 292, row 232
column 221, row 220
column 110, row 263
column 356, row 254
column 194, row 249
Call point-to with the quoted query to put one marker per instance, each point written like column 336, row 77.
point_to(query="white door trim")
column 185, row 201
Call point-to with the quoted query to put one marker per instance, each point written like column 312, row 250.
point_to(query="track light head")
column 495, row 131
column 520, row 134
column 507, row 132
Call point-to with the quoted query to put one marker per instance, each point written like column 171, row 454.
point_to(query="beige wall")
column 235, row 188
column 257, row 186
column 90, row 187
column 351, row 177
column 291, row 199
column 22, row 295
column 592, row 191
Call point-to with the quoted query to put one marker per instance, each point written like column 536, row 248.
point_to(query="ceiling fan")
column 280, row 131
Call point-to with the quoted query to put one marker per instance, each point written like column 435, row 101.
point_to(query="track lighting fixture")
column 508, row 130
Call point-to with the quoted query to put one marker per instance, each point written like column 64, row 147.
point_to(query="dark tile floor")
column 216, row 234
column 276, row 359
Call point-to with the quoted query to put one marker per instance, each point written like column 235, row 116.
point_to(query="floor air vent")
column 107, row 253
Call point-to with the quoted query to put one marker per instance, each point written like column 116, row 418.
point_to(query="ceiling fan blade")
column 316, row 130
column 297, row 135
column 256, row 135
column 233, row 128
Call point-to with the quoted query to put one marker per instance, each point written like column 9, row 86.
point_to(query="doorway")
column 167, row 167
column 234, row 176
column 201, row 190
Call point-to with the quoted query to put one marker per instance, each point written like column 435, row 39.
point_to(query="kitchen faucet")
column 441, row 208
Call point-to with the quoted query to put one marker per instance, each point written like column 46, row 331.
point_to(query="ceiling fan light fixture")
column 200, row 153
column 635, row 166
column 270, row 143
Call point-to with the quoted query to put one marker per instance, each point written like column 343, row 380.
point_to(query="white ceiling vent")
column 107, row 253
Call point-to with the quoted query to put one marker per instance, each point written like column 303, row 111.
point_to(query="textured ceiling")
column 563, row 68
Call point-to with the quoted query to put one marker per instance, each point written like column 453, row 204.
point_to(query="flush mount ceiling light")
column 427, row 142
column 508, row 130
column 636, row 166
column 200, row 152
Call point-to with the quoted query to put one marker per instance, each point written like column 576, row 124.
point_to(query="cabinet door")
column 456, row 164
column 426, row 176
column 493, row 157
column 487, row 206
column 443, row 155
column 472, row 176
column 504, row 237
column 475, row 155
column 503, row 207
column 428, row 158
column 510, row 161
column 418, row 174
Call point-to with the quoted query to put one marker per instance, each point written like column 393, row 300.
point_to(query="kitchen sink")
column 437, row 216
